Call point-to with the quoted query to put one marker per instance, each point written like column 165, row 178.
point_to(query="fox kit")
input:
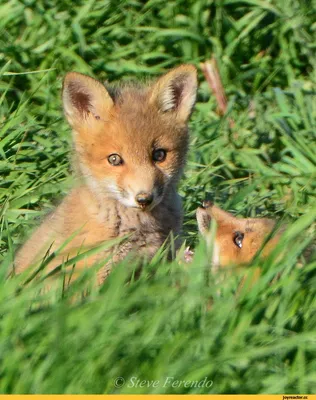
column 237, row 240
column 130, row 147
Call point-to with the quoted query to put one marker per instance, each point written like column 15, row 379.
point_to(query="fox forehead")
column 134, row 125
column 252, row 227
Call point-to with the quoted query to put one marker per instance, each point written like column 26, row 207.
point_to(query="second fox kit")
column 130, row 148
column 237, row 240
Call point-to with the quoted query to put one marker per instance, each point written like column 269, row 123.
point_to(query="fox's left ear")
column 175, row 92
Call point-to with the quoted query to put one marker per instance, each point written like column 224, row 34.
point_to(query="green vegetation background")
column 262, row 340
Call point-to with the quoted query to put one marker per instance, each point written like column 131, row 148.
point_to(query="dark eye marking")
column 238, row 238
column 115, row 160
column 159, row 155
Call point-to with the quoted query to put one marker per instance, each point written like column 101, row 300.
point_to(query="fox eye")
column 115, row 160
column 238, row 238
column 159, row 155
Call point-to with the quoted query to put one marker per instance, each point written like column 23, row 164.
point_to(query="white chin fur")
column 215, row 260
column 127, row 201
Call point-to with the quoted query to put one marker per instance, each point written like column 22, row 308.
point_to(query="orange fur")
column 133, row 123
column 254, row 232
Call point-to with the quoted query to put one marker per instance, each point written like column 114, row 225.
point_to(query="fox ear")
column 204, row 220
column 84, row 97
column 176, row 92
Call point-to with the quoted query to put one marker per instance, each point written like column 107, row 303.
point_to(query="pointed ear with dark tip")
column 204, row 220
column 175, row 92
column 84, row 98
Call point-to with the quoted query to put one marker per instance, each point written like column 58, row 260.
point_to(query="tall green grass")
column 175, row 320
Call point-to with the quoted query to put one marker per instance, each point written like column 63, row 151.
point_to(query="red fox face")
column 131, row 145
column 237, row 240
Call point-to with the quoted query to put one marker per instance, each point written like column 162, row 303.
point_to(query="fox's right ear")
column 85, row 98
column 175, row 92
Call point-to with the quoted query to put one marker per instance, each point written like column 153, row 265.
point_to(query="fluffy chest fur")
column 96, row 223
column 110, row 219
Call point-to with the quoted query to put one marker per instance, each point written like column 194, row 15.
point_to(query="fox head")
column 237, row 240
column 131, row 143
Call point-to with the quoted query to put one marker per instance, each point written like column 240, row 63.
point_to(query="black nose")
column 144, row 199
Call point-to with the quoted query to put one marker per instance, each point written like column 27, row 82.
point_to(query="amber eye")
column 238, row 238
column 115, row 160
column 159, row 155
